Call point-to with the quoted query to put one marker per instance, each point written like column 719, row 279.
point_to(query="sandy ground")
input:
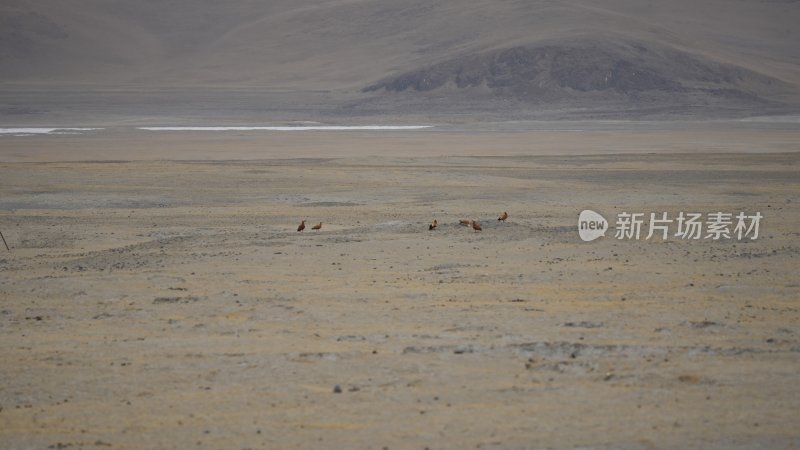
column 172, row 304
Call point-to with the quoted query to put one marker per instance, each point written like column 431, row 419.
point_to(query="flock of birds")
column 466, row 222
column 302, row 226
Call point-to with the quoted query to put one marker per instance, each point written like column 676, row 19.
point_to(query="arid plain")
column 157, row 295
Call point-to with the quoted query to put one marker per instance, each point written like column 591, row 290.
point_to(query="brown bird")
column 302, row 226
column 503, row 216
column 476, row 226
column 433, row 225
column 465, row 222
column 317, row 226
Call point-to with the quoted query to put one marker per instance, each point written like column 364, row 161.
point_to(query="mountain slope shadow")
column 591, row 72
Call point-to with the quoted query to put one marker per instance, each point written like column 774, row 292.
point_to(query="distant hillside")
column 592, row 71
column 727, row 53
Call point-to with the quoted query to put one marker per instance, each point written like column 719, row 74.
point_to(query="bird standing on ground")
column 465, row 222
column 317, row 226
column 476, row 226
column 503, row 216
column 302, row 226
column 433, row 225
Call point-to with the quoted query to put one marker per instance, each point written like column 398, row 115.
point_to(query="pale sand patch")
column 125, row 144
